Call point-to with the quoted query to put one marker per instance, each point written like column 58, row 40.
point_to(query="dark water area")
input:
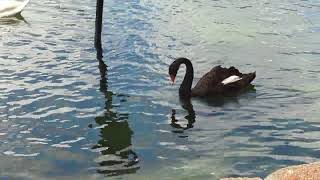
column 62, row 115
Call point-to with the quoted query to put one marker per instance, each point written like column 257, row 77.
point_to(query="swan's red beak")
column 172, row 78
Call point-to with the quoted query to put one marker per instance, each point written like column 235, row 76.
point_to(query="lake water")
column 60, row 120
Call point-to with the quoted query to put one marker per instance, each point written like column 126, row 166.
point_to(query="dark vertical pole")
column 98, row 46
column 97, row 39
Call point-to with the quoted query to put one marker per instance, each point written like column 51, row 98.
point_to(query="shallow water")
column 59, row 119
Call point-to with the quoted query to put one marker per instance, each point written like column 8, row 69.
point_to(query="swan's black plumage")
column 211, row 83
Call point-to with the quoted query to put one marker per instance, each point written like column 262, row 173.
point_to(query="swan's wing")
column 234, row 71
column 11, row 8
column 233, row 84
column 231, row 79
column 237, row 83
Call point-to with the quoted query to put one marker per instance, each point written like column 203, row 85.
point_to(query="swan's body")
column 11, row 7
column 218, row 81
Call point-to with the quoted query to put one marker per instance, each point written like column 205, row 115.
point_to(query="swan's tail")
column 250, row 77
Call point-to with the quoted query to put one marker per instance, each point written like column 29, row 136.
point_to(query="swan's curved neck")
column 185, row 88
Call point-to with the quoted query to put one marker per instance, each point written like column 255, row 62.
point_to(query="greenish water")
column 60, row 120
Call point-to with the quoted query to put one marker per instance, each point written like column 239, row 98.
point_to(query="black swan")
column 218, row 81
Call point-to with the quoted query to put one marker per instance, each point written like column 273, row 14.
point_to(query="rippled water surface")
column 60, row 119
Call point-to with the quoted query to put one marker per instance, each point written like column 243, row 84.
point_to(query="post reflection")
column 117, row 156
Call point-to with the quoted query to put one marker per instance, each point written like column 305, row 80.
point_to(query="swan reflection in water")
column 214, row 101
column 117, row 156
column 191, row 117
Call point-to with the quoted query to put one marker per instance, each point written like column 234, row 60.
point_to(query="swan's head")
column 174, row 67
column 173, row 70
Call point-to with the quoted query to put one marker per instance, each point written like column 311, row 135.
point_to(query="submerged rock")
column 300, row 172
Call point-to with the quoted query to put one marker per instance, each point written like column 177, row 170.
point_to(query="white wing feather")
column 231, row 79
column 11, row 7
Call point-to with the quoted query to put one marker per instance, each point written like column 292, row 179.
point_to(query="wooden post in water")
column 97, row 37
column 98, row 45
